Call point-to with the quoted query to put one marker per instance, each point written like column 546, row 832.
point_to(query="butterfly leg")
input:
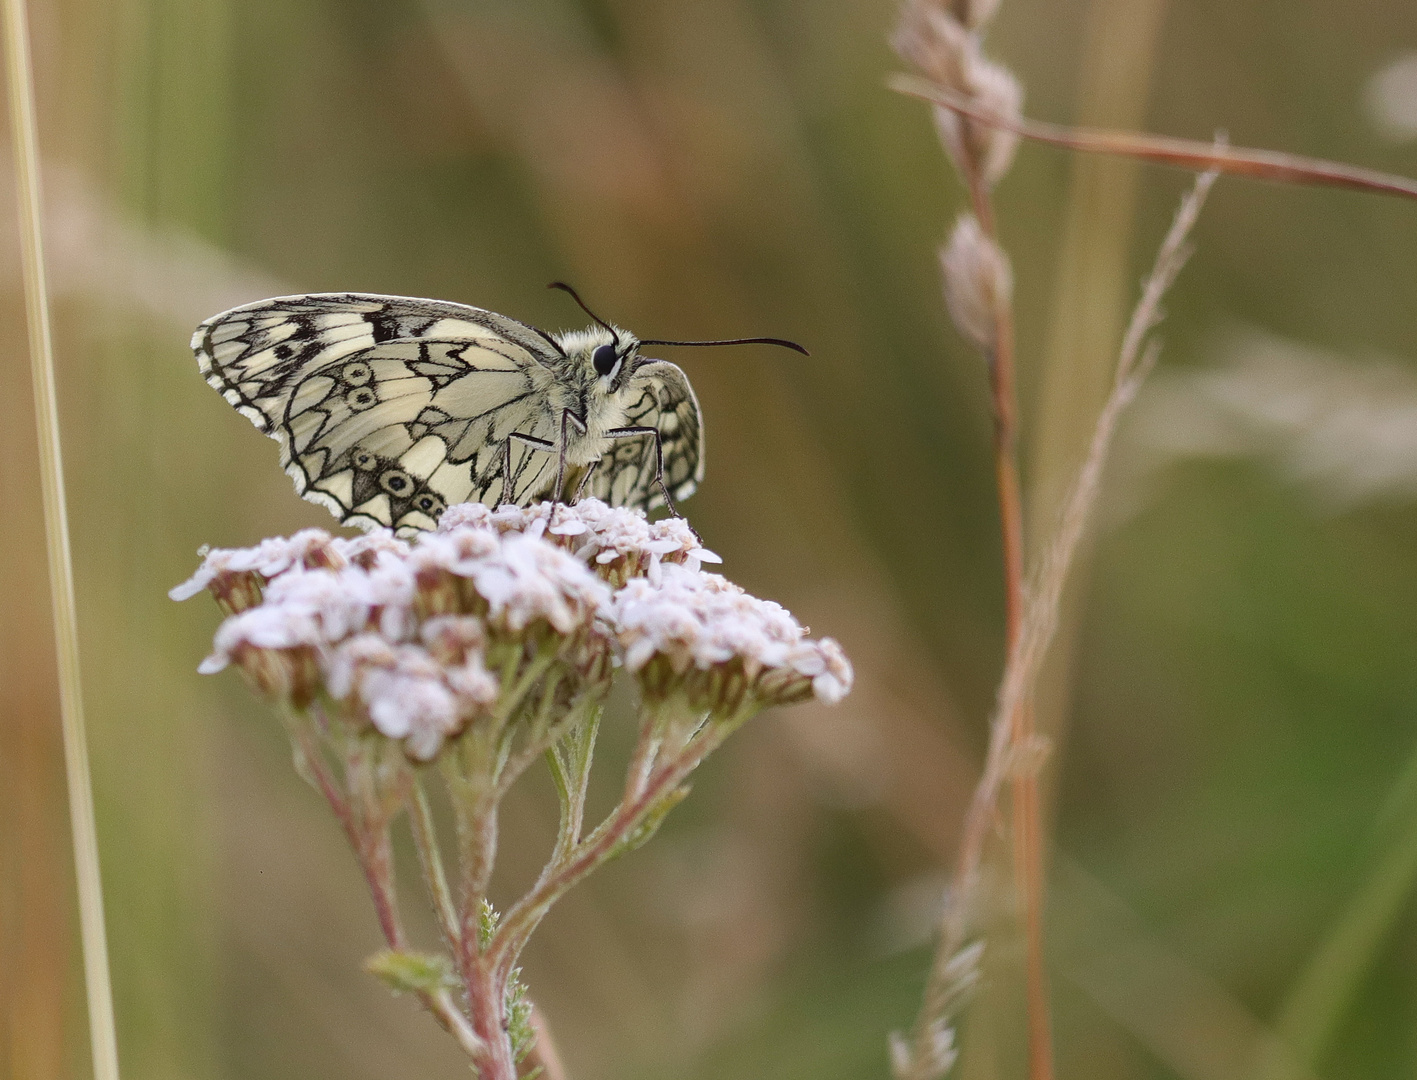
column 652, row 432
column 567, row 418
column 580, row 488
column 526, row 440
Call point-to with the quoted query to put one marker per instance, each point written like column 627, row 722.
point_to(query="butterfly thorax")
column 596, row 400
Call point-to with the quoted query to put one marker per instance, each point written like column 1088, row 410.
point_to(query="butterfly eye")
column 357, row 373
column 430, row 504
column 361, row 399
column 395, row 482
column 604, row 359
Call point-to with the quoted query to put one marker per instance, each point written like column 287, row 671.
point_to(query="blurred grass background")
column 1234, row 696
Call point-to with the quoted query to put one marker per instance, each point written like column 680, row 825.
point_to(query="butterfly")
column 389, row 409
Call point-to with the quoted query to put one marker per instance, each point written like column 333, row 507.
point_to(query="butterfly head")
column 605, row 348
column 600, row 355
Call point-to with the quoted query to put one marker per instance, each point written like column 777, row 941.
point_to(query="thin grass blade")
column 56, row 526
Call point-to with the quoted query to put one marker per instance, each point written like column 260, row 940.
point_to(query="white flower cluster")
column 416, row 638
column 421, row 693
column 519, row 578
column 691, row 621
column 621, row 544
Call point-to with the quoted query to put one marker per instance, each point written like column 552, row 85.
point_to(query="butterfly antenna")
column 577, row 298
column 736, row 341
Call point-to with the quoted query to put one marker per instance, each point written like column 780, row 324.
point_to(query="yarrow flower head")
column 490, row 645
column 617, row 543
column 406, row 692
column 420, row 640
column 702, row 636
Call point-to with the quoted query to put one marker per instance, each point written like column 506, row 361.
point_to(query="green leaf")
column 412, row 971
column 650, row 823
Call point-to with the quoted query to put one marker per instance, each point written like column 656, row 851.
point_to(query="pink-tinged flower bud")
column 275, row 650
column 369, row 550
column 451, row 638
column 317, row 550
column 284, row 675
column 437, row 591
column 406, row 693
column 236, row 590
column 615, row 542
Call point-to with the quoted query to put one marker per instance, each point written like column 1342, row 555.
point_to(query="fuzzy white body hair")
column 599, row 401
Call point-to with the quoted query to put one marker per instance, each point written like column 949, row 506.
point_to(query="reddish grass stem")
column 1027, row 825
column 1195, row 156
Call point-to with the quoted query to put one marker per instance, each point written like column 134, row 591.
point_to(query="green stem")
column 541, row 733
column 511, row 700
column 562, row 873
column 430, row 859
column 477, row 836
column 642, row 759
column 375, row 855
column 572, row 778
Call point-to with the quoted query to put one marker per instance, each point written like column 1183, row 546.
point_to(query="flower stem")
column 376, row 858
column 570, row 762
column 430, row 859
column 477, row 834
column 542, row 734
column 375, row 855
column 643, row 756
column 486, row 989
column 561, row 874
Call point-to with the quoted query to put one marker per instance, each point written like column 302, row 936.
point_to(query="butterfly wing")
column 387, row 409
column 659, row 397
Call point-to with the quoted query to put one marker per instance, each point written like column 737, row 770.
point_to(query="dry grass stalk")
column 1014, row 751
column 1136, row 358
column 56, row 526
column 1220, row 157
column 944, row 42
column 930, row 1051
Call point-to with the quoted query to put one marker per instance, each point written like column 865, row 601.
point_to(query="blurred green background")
column 1234, row 697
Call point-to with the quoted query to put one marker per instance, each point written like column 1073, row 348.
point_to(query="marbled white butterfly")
column 388, row 409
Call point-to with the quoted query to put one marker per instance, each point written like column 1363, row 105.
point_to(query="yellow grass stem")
column 56, row 527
